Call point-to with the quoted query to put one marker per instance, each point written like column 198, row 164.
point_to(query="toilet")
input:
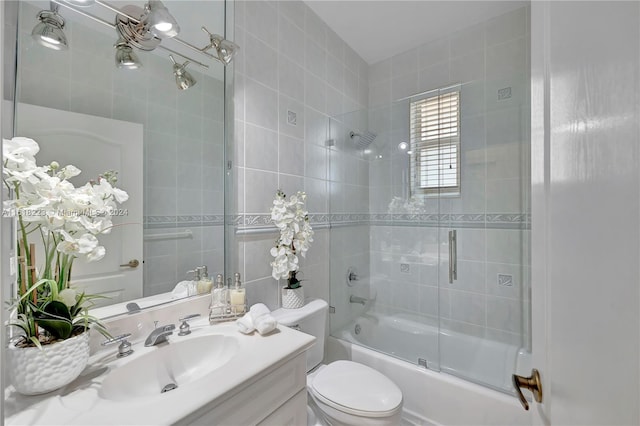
column 342, row 392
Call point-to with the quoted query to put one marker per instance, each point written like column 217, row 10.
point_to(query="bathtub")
column 431, row 397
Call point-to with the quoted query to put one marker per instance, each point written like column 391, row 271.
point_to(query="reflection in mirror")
column 111, row 100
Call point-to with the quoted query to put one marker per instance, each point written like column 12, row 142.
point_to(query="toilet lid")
column 354, row 387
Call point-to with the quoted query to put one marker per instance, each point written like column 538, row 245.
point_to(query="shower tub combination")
column 431, row 397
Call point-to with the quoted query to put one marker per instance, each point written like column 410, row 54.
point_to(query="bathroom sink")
column 168, row 367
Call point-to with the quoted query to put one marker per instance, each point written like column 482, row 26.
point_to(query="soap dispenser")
column 237, row 296
column 219, row 293
column 205, row 283
column 192, row 286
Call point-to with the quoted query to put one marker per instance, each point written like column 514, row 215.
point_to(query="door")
column 95, row 145
column 586, row 211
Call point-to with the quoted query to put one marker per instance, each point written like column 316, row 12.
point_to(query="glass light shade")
column 126, row 58
column 48, row 32
column 226, row 51
column 184, row 80
column 159, row 21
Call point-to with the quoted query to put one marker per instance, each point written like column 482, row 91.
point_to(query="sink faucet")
column 159, row 335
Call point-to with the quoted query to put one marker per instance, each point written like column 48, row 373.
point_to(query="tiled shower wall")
column 409, row 248
column 183, row 137
column 291, row 75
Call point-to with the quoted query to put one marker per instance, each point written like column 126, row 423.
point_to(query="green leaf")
column 54, row 317
column 59, row 328
column 56, row 309
column 293, row 281
column 51, row 283
column 85, row 301
column 36, row 342
column 26, row 323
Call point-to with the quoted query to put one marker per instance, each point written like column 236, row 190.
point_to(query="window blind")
column 435, row 142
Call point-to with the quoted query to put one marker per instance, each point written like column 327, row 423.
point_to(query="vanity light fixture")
column 159, row 21
column 139, row 28
column 184, row 80
column 132, row 31
column 126, row 58
column 225, row 49
column 49, row 30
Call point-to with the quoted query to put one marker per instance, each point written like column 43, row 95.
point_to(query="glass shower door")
column 484, row 238
column 411, row 239
column 384, row 249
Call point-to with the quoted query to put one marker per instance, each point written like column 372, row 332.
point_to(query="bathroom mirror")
column 100, row 105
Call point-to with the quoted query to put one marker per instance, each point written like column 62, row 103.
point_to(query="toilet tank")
column 310, row 319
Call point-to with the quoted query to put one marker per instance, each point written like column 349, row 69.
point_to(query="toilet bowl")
column 349, row 393
column 342, row 392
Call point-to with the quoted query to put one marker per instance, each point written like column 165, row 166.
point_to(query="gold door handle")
column 532, row 383
column 133, row 263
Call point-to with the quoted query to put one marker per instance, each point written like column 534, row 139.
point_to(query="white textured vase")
column 292, row 298
column 34, row 371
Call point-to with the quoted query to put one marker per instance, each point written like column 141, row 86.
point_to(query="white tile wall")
column 289, row 61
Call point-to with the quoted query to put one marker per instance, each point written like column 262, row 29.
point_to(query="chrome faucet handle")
column 124, row 348
column 184, row 327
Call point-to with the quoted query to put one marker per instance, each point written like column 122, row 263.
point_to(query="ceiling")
column 377, row 30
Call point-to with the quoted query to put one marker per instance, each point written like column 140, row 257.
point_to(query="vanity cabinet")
column 276, row 397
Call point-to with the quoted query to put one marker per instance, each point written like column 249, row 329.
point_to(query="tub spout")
column 356, row 299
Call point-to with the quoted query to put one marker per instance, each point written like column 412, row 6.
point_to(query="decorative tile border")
column 458, row 220
column 247, row 223
column 263, row 221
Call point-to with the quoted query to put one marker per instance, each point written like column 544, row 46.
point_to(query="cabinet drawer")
column 291, row 413
column 258, row 399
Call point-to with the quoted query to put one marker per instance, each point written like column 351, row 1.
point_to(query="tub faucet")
column 356, row 299
column 159, row 335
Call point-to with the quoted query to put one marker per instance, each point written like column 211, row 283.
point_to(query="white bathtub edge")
column 434, row 398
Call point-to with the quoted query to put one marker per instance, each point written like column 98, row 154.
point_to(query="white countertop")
column 80, row 403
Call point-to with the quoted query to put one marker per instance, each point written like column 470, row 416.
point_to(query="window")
column 435, row 144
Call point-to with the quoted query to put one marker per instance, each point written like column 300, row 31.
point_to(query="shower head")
column 362, row 140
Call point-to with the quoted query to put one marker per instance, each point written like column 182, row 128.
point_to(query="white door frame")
column 540, row 163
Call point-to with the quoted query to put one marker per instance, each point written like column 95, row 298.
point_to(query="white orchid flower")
column 19, row 153
column 291, row 218
column 70, row 216
column 68, row 172
column 94, row 255
column 83, row 245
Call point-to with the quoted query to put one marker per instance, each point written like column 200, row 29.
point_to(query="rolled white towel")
column 245, row 324
column 265, row 324
column 262, row 319
column 183, row 289
column 258, row 310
